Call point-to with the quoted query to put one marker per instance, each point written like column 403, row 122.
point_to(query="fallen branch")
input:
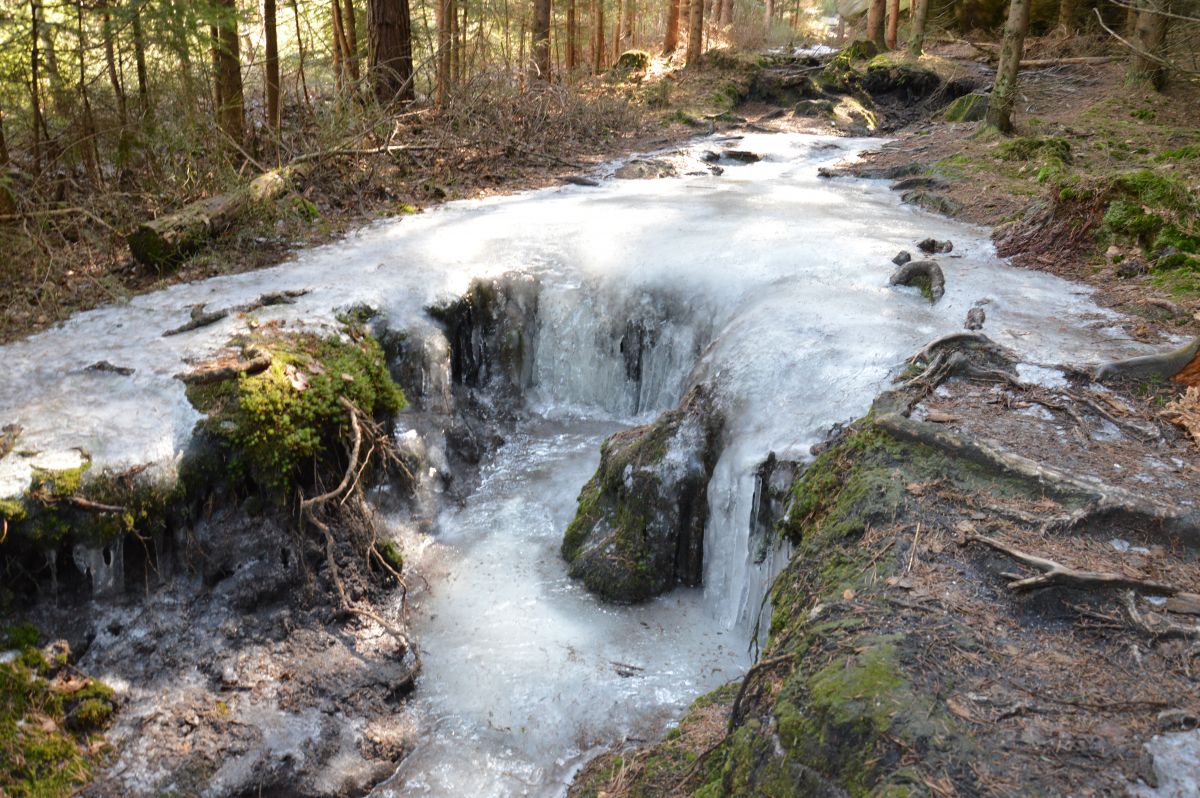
column 87, row 505
column 202, row 318
column 206, row 375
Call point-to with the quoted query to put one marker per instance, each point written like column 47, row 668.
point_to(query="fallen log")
column 218, row 371
column 162, row 242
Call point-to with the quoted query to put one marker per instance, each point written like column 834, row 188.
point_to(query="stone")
column 639, row 529
column 975, row 319
column 645, row 169
column 932, row 246
column 902, row 257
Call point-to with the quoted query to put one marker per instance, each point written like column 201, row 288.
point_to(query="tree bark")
column 695, row 46
column 442, row 12
column 726, row 16
column 35, row 94
column 341, row 71
column 88, row 145
column 139, row 57
column 598, row 50
column 671, row 39
column 541, row 39
column 916, row 36
column 389, row 30
column 300, row 48
column 110, row 61
column 875, row 15
column 1068, row 15
column 893, row 23
column 272, row 64
column 571, row 56
column 8, row 205
column 1004, row 90
column 628, row 34
column 1151, row 39
column 231, row 108
column 350, row 30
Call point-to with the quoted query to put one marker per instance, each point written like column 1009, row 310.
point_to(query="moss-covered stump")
column 639, row 529
column 50, row 715
column 633, row 61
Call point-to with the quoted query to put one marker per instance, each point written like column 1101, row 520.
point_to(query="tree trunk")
column 390, row 65
column 8, row 204
column 88, row 145
column 139, row 57
column 341, row 70
column 628, row 35
column 598, row 51
column 441, row 14
column 110, row 61
column 231, row 109
column 163, row 242
column 1151, row 39
column 916, row 36
column 350, row 31
column 455, row 52
column 541, row 39
column 272, row 64
column 1068, row 15
column 893, row 23
column 875, row 15
column 671, row 39
column 572, row 36
column 35, row 93
column 300, row 48
column 726, row 16
column 1004, row 91
column 617, row 37
column 695, row 45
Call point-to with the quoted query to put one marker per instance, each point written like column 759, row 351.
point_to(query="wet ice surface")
column 768, row 282
column 524, row 672
column 1176, row 766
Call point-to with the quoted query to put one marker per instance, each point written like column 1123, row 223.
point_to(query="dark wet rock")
column 907, row 82
column 778, row 113
column 639, row 529
column 579, row 180
column 716, row 170
column 975, row 319
column 902, row 257
column 105, row 366
column 710, row 156
column 923, row 274
column 491, row 332
column 646, row 169
column 783, row 86
column 936, row 203
column 931, row 246
column 919, row 181
column 745, row 156
column 1132, row 267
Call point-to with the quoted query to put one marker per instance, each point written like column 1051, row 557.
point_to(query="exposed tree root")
column 1161, row 366
column 1161, row 625
column 260, row 360
column 202, row 318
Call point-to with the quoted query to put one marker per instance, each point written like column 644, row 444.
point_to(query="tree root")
column 1162, row 627
column 1056, row 574
column 260, row 360
column 201, row 318
column 349, row 485
column 1102, row 499
column 1162, row 366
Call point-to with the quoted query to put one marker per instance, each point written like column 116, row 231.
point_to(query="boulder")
column 645, row 169
column 639, row 529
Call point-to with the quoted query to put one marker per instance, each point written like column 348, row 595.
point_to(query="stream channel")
column 767, row 283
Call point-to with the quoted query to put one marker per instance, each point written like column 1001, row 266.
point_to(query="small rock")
column 902, row 257
column 930, row 246
column 1132, row 267
column 645, row 169
column 716, row 170
column 104, row 365
column 1177, row 720
column 709, row 156
column 229, row 676
column 745, row 156
column 975, row 319
column 579, row 180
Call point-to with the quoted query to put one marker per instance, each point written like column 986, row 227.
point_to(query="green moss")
column 21, row 636
column 391, row 554
column 1189, row 152
column 1155, row 189
column 290, row 416
column 1128, row 219
column 45, row 745
column 1027, row 149
column 968, row 108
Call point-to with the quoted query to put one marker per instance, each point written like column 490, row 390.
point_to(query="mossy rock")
column 968, row 108
column 639, row 527
column 633, row 61
column 281, row 424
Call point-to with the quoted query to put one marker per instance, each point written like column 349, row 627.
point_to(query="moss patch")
column 280, row 424
column 49, row 718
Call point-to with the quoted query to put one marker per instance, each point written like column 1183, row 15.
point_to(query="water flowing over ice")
column 767, row 282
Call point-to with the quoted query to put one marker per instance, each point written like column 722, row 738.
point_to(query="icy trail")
column 766, row 281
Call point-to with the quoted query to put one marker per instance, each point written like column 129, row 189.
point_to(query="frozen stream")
column 766, row 282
